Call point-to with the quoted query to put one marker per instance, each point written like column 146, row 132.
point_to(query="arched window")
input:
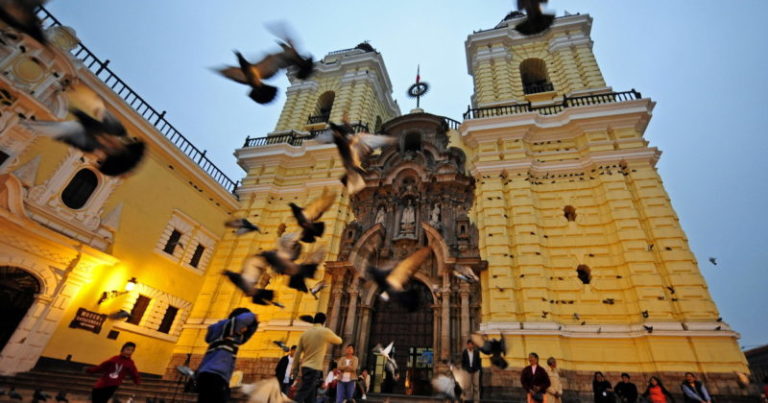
column 534, row 75
column 323, row 109
column 412, row 142
column 80, row 188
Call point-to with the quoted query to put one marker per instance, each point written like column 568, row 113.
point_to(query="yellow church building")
column 546, row 189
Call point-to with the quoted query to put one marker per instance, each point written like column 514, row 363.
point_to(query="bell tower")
column 587, row 261
column 350, row 83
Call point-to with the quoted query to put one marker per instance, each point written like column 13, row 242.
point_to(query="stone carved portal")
column 418, row 192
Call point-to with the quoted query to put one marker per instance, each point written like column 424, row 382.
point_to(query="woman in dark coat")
column 535, row 380
column 602, row 389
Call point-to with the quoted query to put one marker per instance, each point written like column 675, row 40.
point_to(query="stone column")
column 364, row 332
column 349, row 326
column 464, row 293
column 436, row 339
column 445, row 327
column 336, row 291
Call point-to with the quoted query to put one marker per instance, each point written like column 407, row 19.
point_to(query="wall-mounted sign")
column 87, row 320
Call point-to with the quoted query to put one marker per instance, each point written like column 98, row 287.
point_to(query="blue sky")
column 703, row 64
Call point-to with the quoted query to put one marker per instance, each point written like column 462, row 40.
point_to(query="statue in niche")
column 380, row 213
column 434, row 218
column 408, row 219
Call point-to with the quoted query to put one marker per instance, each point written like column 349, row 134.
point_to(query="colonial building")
column 77, row 246
column 547, row 190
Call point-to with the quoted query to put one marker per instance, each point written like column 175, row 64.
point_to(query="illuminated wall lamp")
column 129, row 286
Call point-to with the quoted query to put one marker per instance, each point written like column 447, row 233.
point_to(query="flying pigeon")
column 493, row 347
column 465, row 273
column 536, row 21
column 242, row 226
column 353, row 149
column 393, row 282
column 307, row 217
column 253, row 74
column 20, row 15
column 95, row 130
column 250, row 273
column 713, row 260
column 282, row 345
column 390, row 365
column 315, row 290
column 649, row 329
column 185, row 371
column 645, row 314
column 307, row 318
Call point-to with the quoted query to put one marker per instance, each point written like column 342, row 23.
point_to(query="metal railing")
column 567, row 102
column 293, row 137
column 318, row 119
column 101, row 70
column 539, row 87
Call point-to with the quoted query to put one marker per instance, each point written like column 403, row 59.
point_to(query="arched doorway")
column 412, row 333
column 17, row 293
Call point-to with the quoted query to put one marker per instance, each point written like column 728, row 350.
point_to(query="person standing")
column 535, row 380
column 602, row 389
column 694, row 391
column 313, row 345
column 625, row 390
column 470, row 362
column 657, row 393
column 283, row 370
column 114, row 370
column 348, row 367
column 555, row 389
column 224, row 338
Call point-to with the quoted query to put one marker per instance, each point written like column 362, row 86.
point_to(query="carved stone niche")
column 351, row 233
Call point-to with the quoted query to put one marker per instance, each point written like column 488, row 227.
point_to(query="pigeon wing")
column 404, row 270
column 317, row 207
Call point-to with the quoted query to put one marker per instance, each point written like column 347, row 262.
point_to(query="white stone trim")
column 192, row 234
column 153, row 316
column 608, row 331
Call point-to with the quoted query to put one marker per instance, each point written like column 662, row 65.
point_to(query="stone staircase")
column 78, row 387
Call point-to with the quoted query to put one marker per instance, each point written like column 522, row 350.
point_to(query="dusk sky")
column 703, row 64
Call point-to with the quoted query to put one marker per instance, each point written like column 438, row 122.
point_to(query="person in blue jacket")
column 223, row 338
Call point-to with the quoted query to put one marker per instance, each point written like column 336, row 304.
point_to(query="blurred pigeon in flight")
column 353, row 149
column 536, row 21
column 307, row 217
column 253, row 74
column 20, row 15
column 390, row 365
column 250, row 273
column 393, row 282
column 465, row 273
column 493, row 347
column 242, row 226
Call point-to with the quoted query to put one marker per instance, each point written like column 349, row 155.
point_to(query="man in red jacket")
column 114, row 370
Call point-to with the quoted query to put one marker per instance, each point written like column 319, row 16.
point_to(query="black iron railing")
column 452, row 124
column 538, row 87
column 318, row 119
column 567, row 102
column 293, row 137
column 101, row 70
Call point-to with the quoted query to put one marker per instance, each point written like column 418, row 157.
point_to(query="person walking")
column 311, row 350
column 224, row 338
column 625, row 390
column 114, row 370
column 694, row 391
column 555, row 389
column 602, row 389
column 535, row 380
column 345, row 391
column 283, row 370
column 470, row 362
column 656, row 392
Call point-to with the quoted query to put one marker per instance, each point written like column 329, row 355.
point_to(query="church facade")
column 546, row 189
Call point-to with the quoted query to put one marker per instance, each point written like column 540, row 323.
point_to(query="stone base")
column 253, row 369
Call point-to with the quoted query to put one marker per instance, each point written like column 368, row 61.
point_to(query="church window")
column 141, row 305
column 195, row 260
column 79, row 189
column 173, row 241
column 323, row 109
column 412, row 142
column 534, row 75
column 168, row 318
